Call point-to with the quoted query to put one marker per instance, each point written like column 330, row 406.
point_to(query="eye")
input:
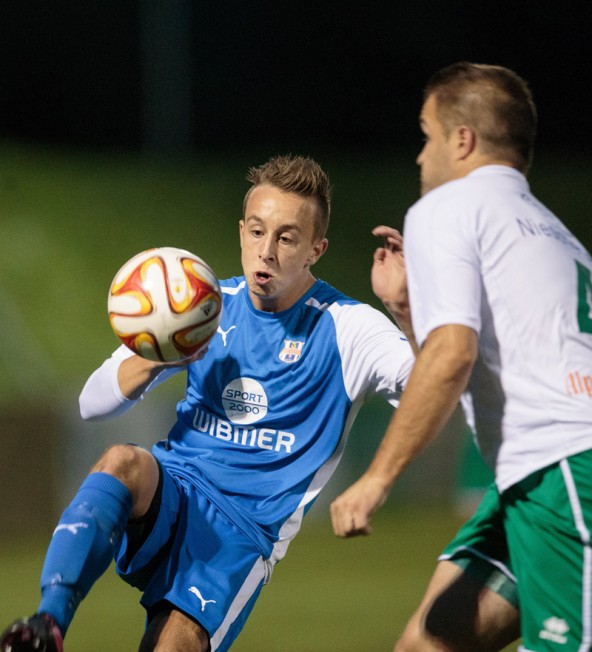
column 256, row 232
column 286, row 239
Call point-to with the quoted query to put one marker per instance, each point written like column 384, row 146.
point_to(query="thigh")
column 548, row 519
column 136, row 468
column 471, row 602
column 480, row 549
column 458, row 613
column 212, row 572
column 171, row 629
column 149, row 539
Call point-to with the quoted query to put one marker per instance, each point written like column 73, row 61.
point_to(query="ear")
column 466, row 142
column 318, row 249
column 241, row 228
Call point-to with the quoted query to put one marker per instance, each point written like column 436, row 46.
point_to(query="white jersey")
column 483, row 252
column 268, row 410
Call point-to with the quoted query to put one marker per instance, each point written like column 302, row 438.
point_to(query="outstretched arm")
column 439, row 376
column 120, row 382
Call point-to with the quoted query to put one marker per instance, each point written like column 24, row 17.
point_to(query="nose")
column 267, row 250
column 419, row 157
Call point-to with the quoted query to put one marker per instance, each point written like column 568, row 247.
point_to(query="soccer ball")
column 165, row 304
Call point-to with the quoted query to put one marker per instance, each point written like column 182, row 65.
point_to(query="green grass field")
column 327, row 595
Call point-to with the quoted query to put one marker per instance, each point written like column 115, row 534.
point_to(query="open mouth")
column 261, row 278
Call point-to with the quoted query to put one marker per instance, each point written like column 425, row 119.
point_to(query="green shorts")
column 548, row 522
column 481, row 550
column 545, row 521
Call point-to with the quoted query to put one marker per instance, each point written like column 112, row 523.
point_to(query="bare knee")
column 171, row 629
column 123, row 461
column 136, row 468
column 419, row 638
column 459, row 614
column 413, row 638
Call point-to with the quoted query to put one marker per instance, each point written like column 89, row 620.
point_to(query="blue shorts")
column 194, row 558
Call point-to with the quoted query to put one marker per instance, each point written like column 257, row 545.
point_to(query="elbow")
column 461, row 361
column 461, row 368
column 89, row 410
column 455, row 348
column 89, row 415
column 94, row 408
column 85, row 413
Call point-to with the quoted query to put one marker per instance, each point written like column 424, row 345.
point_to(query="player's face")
column 436, row 160
column 278, row 247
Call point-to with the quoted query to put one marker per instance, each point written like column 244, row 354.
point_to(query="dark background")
column 183, row 75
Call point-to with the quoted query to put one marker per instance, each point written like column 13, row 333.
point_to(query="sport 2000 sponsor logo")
column 245, row 402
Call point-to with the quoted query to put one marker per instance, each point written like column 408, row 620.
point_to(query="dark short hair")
column 300, row 175
column 493, row 101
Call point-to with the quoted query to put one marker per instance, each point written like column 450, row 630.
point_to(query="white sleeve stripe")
column 236, row 290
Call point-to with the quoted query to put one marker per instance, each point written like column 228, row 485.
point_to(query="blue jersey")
column 268, row 410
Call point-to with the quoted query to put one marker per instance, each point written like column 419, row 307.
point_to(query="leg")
column 202, row 546
column 171, row 630
column 137, row 469
column 458, row 613
column 120, row 485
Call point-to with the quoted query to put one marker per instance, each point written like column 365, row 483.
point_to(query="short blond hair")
column 300, row 175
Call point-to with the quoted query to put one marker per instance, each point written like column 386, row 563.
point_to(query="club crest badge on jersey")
column 291, row 351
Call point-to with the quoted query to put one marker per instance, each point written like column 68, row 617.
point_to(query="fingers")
column 392, row 238
column 352, row 530
column 383, row 231
column 348, row 520
column 351, row 511
column 380, row 254
column 184, row 362
column 200, row 355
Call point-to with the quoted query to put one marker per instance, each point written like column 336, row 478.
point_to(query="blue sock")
column 83, row 545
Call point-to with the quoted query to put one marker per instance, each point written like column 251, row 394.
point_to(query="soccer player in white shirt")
column 198, row 523
column 501, row 305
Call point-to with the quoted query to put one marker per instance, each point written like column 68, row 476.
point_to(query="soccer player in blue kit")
column 198, row 523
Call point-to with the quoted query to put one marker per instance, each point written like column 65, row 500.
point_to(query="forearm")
column 440, row 375
column 135, row 374
column 114, row 388
column 101, row 398
column 401, row 313
column 389, row 281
